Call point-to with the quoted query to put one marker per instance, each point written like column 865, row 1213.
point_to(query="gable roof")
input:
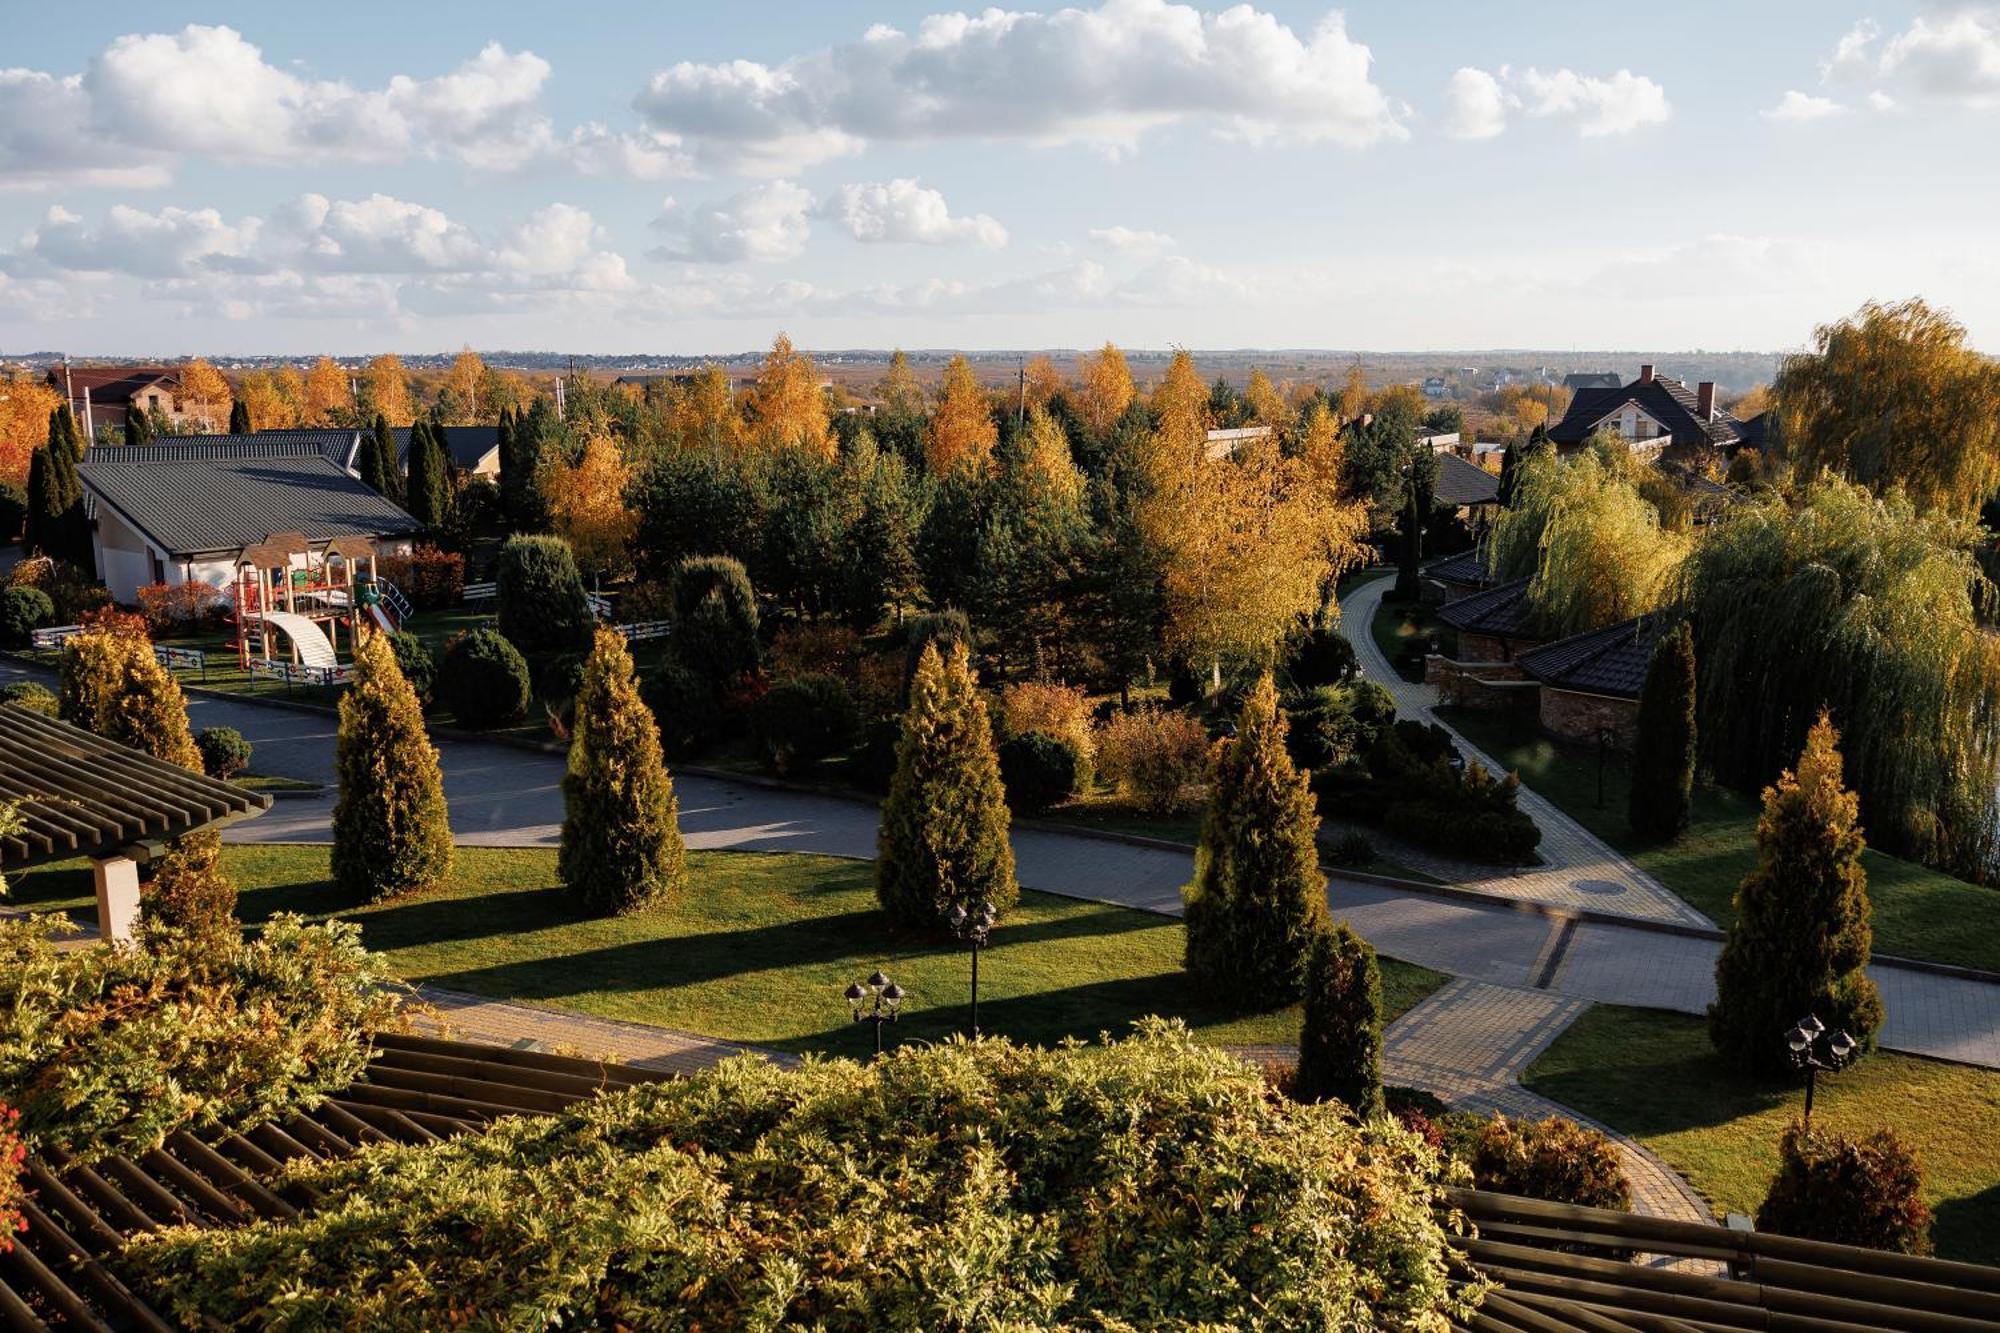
column 1610, row 661
column 1592, row 379
column 1467, row 569
column 223, row 493
column 1667, row 401
column 336, row 446
column 467, row 445
column 1463, row 483
column 1503, row 612
column 107, row 384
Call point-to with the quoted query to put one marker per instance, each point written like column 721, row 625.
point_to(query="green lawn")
column 1655, row 1076
column 1919, row 912
column 759, row 951
column 1395, row 625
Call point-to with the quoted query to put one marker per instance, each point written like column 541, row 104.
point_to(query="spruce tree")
column 1340, row 1033
column 503, row 440
column 1258, row 898
column 1801, row 938
column 621, row 838
column 943, row 838
column 57, row 525
column 391, row 830
column 426, row 490
column 1663, row 754
column 138, row 426
column 239, row 418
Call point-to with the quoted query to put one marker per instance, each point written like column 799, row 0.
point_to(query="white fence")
column 297, row 673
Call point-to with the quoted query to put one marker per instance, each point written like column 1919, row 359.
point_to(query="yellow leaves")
column 1595, row 547
column 789, row 407
column 1267, row 405
column 704, row 411
column 901, row 394
column 962, row 433
column 1041, row 381
column 1180, row 414
column 587, row 503
column 385, row 390
column 205, row 394
column 1047, row 474
column 25, row 404
column 275, row 402
column 1106, row 389
column 466, row 381
column 326, row 393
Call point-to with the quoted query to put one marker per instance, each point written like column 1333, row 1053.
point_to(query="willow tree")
column 1892, row 396
column 1591, row 545
column 1863, row 606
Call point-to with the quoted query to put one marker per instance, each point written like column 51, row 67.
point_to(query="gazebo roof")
column 82, row 795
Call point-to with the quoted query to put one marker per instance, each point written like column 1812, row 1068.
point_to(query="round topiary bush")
column 543, row 604
column 1323, row 657
column 224, row 752
column 1039, row 770
column 1554, row 1159
column 684, row 707
column 32, row 696
column 22, row 612
column 413, row 658
column 803, row 720
column 715, row 618
column 483, row 680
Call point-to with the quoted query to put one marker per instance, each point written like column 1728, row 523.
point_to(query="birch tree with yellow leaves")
column 586, row 504
column 205, row 394
column 327, row 396
column 962, row 432
column 385, row 390
column 788, row 409
column 1105, row 389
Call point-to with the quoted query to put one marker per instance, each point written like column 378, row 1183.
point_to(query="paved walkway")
column 1579, row 870
column 478, row 1018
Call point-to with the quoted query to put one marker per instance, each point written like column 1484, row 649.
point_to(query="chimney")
column 1646, row 373
column 1704, row 399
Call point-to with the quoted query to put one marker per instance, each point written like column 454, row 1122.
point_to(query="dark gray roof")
column 1467, row 569
column 333, row 445
column 1502, row 612
column 1592, row 379
column 1609, row 661
column 82, row 795
column 195, row 500
column 1668, row 401
column 1463, row 483
column 338, row 445
column 466, row 445
column 1755, row 431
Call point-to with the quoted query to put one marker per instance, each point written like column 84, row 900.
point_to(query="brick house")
column 1496, row 625
column 104, row 395
column 1591, row 682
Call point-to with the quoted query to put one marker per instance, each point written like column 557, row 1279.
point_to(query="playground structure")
column 305, row 595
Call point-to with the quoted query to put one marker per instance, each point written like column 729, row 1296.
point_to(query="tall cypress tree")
column 138, row 425
column 239, row 418
column 1340, row 1032
column 56, row 523
column 943, row 838
column 621, row 838
column 428, row 492
column 391, row 830
column 1258, row 898
column 378, row 453
column 1663, row 754
column 42, row 529
column 1801, row 938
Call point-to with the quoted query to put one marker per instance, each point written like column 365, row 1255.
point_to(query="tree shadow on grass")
column 1969, row 1228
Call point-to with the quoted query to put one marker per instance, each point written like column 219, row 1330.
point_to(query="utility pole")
column 1021, row 410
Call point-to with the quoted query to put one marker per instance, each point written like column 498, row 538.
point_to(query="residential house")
column 1650, row 413
column 1457, row 577
column 1579, row 380
column 473, row 450
column 1496, row 625
column 104, row 395
column 1436, row 388
column 1590, row 682
column 1223, row 443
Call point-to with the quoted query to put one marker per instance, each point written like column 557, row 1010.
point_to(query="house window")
column 152, row 400
column 159, row 568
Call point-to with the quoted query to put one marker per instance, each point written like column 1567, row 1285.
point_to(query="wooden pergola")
column 78, row 794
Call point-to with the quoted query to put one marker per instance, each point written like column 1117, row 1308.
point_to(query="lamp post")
column 973, row 927
column 888, row 999
column 1804, row 1036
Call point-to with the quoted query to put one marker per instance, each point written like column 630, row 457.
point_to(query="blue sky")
column 682, row 178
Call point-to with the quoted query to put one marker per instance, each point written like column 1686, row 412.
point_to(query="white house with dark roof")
column 1649, row 414
column 180, row 511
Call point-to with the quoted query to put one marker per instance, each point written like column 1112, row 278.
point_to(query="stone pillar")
column 117, row 880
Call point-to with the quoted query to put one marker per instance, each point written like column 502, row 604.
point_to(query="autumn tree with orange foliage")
column 1106, row 389
column 704, row 411
column 962, row 434
column 271, row 407
column 465, row 390
column 25, row 404
column 327, row 395
column 385, row 390
column 205, row 394
column 1267, row 405
column 788, row 407
column 586, row 504
column 1041, row 381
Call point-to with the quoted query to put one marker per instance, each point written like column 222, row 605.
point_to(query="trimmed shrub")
column 22, row 612
column 1340, row 1032
column 33, row 696
column 224, row 752
column 114, row 1050
column 1663, row 752
column 715, row 618
column 431, row 578
column 1848, row 1191
column 556, row 679
column 1258, row 899
column 1353, row 849
column 1800, row 940
column 1060, row 710
column 74, row 592
column 684, row 708
column 391, row 830
column 1155, row 757
column 483, row 680
column 1323, row 657
column 1418, row 794
column 543, row 605
column 1333, row 723
column 1039, row 770
column 113, row 685
column 413, row 659
column 621, row 838
column 943, row 628
column 943, row 839
column 975, row 1196
column 181, row 608
column 801, row 721
column 1554, row 1159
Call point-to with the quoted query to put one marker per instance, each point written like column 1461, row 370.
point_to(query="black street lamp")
column 1803, row 1037
column 888, row 999
column 973, row 927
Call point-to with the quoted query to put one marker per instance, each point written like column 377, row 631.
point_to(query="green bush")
column 1849, row 1191
column 22, row 612
column 190, row 896
column 483, row 680
column 1353, row 849
column 1554, row 1159
column 1340, row 1031
column 943, row 628
column 224, row 752
column 938, row 1188
column 875, row 759
column 1323, row 657
column 543, row 605
column 1333, row 723
column 715, row 618
column 391, row 828
column 113, row 1050
column 621, row 838
column 683, row 706
column 33, row 696
column 803, row 720
column 1040, row 770
column 1418, row 795
column 413, row 658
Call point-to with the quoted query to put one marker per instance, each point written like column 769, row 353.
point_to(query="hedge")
column 22, row 612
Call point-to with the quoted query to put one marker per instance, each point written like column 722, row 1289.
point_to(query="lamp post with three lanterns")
column 973, row 927
column 888, row 1000
column 1803, row 1040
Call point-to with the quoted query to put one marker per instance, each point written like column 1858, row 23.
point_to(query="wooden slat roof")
column 82, row 795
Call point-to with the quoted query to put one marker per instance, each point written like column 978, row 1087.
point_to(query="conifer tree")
column 1663, row 754
column 621, row 839
column 1340, row 1034
column 943, row 839
column 427, row 491
column 1801, row 938
column 391, row 831
column 1258, row 898
column 42, row 529
column 139, row 426
column 239, row 418
column 56, row 523
column 378, row 460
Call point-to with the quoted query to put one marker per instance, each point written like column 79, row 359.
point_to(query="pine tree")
column 1258, row 898
column 391, row 830
column 1663, row 755
column 427, row 491
column 621, row 839
column 503, row 440
column 1801, row 938
column 239, row 418
column 138, row 426
column 1340, row 1034
column 378, row 454
column 943, row 839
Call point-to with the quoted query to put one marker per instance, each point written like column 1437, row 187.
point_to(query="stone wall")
column 1579, row 717
column 1488, row 648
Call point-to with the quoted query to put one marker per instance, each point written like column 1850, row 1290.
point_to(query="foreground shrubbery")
column 934, row 1189
column 1851, row 1191
column 1410, row 786
column 113, row 1050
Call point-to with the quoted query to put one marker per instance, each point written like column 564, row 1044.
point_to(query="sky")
column 676, row 178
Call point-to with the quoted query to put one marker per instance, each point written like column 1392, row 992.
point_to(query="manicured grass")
column 1395, row 626
column 758, row 951
column 1655, row 1076
column 263, row 782
column 1919, row 912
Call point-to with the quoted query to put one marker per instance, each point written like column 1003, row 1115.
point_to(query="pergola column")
column 117, row 882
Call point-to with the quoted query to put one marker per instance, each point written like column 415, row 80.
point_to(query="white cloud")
column 763, row 224
column 1132, row 240
column 1851, row 58
column 1101, row 77
column 1476, row 106
column 1800, row 107
column 46, row 140
column 903, row 210
column 1950, row 52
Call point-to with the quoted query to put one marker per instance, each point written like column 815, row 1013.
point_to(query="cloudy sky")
column 682, row 178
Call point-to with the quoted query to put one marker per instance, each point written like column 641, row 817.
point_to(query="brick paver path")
column 1579, row 870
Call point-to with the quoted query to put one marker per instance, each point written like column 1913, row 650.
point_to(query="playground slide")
column 314, row 650
column 380, row 617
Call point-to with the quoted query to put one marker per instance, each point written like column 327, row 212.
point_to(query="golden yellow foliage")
column 962, row 432
column 1041, row 381
column 326, row 393
column 1354, row 393
column 25, row 403
column 467, row 381
column 1180, row 414
column 205, row 394
column 901, row 394
column 789, row 407
column 1047, row 473
column 704, row 411
column 587, row 503
column 385, row 390
column 1106, row 389
column 265, row 396
column 1267, row 405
